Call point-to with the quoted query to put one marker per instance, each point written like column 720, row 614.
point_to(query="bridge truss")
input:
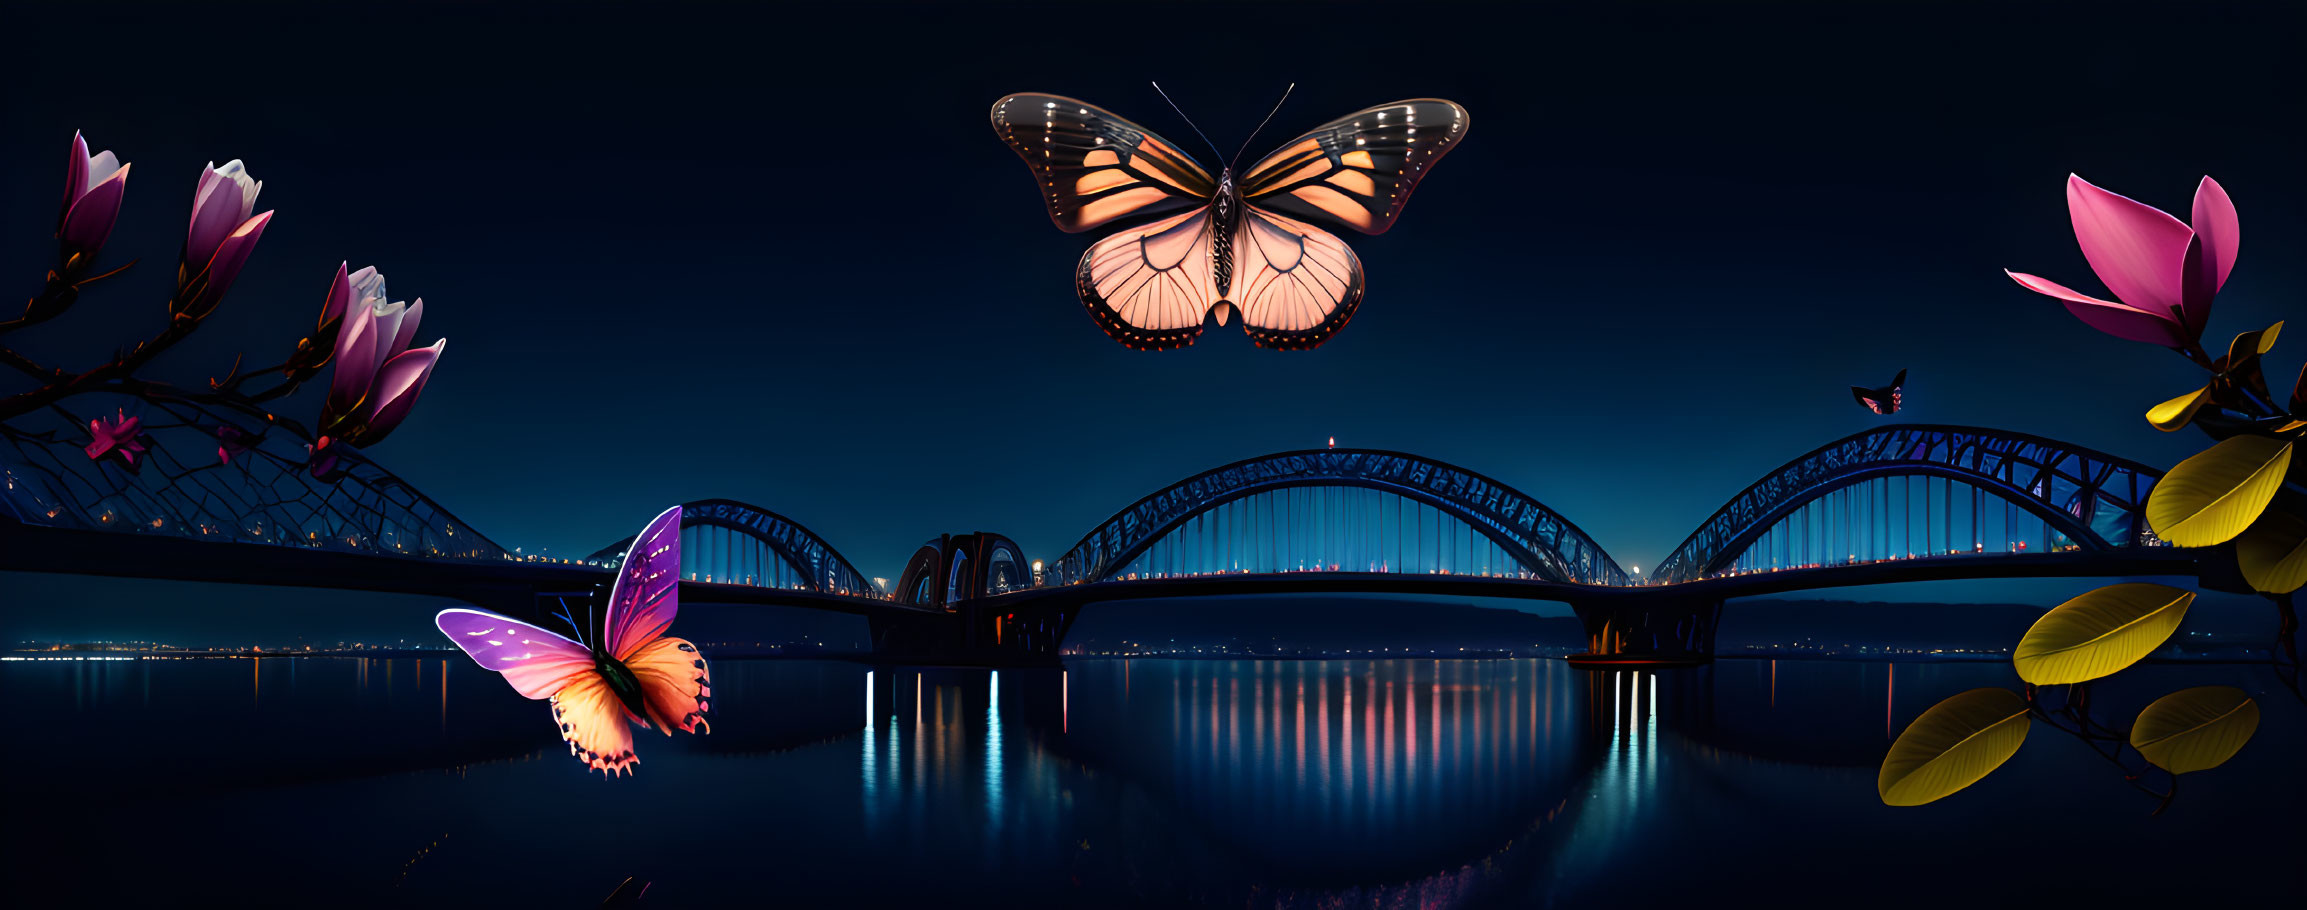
column 184, row 485
column 1336, row 510
column 1921, row 491
column 724, row 541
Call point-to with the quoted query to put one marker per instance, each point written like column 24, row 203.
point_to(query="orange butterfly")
column 1240, row 245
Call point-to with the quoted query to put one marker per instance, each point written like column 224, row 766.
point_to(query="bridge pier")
column 1648, row 631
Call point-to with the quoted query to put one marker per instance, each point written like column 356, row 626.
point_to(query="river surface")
column 1342, row 783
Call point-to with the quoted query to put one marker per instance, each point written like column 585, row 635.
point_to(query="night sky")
column 779, row 256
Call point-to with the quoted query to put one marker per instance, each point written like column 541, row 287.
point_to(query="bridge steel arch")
column 824, row 568
column 1540, row 539
column 2095, row 499
column 962, row 567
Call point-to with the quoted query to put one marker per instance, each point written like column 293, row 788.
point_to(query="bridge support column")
column 1648, row 632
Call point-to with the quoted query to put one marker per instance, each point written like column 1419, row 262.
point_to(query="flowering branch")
column 378, row 377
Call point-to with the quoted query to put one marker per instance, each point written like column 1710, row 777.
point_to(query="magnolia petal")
column 2215, row 222
column 2208, row 499
column 2119, row 320
column 101, row 167
column 2195, row 729
column 2099, row 633
column 397, row 386
column 388, row 327
column 2198, row 286
column 89, row 222
column 1952, row 745
column 406, row 332
column 2135, row 248
column 215, row 214
column 2178, row 412
column 355, row 365
column 2273, row 553
column 230, row 256
column 75, row 175
column 339, row 296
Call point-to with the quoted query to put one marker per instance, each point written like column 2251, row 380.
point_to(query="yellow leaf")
column 2208, row 499
column 2175, row 413
column 2273, row 554
column 1952, row 745
column 2267, row 336
column 2195, row 729
column 2099, row 633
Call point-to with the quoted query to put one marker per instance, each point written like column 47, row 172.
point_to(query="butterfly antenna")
column 563, row 613
column 589, row 625
column 1189, row 120
column 1262, row 125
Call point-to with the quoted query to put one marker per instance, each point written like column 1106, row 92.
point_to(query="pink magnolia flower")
column 222, row 232
column 319, row 459
column 230, row 441
column 2163, row 273
column 118, row 437
column 93, row 186
column 378, row 378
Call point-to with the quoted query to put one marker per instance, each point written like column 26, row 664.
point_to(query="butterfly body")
column 1225, row 219
column 623, row 684
column 631, row 674
column 1237, row 242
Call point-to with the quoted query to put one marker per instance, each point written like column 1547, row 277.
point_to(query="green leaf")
column 1952, row 745
column 2208, row 499
column 2099, row 633
column 2195, row 729
column 2273, row 554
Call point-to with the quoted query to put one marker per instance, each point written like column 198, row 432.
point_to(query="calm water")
column 1247, row 783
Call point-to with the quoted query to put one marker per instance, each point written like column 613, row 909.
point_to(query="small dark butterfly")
column 1884, row 400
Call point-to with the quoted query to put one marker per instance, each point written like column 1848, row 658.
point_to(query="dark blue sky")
column 696, row 251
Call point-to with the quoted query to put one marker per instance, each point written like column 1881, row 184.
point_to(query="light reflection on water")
column 1263, row 783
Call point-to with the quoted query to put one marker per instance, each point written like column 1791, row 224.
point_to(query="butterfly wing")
column 1149, row 287
column 1296, row 284
column 647, row 591
column 594, row 724
column 1867, row 398
column 674, row 687
column 537, row 663
column 1092, row 167
column 1359, row 169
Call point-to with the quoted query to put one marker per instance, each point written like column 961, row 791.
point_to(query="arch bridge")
column 1921, row 492
column 727, row 542
column 1332, row 510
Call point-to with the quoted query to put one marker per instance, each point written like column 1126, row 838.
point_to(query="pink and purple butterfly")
column 630, row 673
